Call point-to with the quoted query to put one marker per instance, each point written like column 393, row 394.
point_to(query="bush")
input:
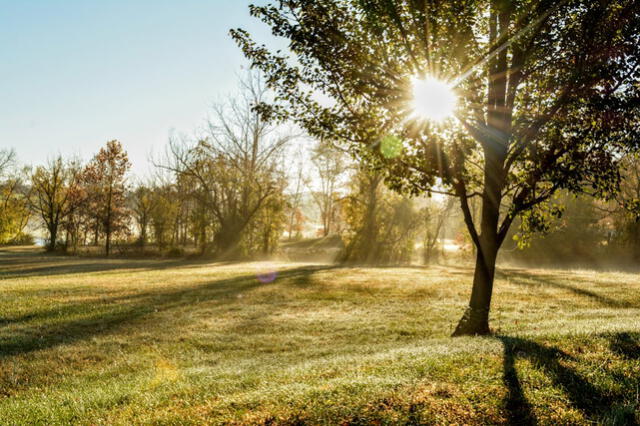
column 22, row 239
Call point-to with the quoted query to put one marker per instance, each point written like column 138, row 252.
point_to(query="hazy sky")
column 76, row 73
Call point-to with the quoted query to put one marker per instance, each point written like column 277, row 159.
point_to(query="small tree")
column 329, row 166
column 105, row 175
column 52, row 193
column 267, row 226
column 382, row 225
column 298, row 181
column 165, row 200
column 435, row 214
column 142, row 205
column 14, row 202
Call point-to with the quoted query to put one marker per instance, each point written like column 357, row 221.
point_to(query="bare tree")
column 435, row 215
column 234, row 164
column 298, row 182
column 329, row 165
column 7, row 157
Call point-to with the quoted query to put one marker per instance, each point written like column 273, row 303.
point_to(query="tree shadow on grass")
column 626, row 345
column 518, row 408
column 28, row 266
column 533, row 280
column 84, row 320
column 593, row 402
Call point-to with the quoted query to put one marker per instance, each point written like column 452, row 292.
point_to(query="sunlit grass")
column 120, row 342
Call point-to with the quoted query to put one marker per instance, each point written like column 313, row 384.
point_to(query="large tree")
column 547, row 99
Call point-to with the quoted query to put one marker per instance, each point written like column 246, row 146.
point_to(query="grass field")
column 96, row 341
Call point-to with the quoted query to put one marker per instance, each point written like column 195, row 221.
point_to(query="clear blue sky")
column 76, row 73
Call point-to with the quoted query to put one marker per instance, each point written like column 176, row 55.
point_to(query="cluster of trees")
column 94, row 203
column 232, row 192
column 587, row 231
column 81, row 203
column 232, row 177
column 223, row 192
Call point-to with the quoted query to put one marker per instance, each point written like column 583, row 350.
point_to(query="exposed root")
column 474, row 322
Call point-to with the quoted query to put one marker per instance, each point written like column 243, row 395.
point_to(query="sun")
column 432, row 99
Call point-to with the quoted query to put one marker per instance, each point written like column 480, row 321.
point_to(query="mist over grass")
column 94, row 341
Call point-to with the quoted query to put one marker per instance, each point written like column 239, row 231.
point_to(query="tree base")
column 474, row 322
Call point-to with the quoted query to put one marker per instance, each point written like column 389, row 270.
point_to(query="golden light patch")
column 166, row 372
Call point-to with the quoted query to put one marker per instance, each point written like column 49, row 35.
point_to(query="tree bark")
column 475, row 320
column 495, row 142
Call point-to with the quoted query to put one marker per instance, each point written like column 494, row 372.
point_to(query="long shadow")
column 125, row 309
column 518, row 408
column 581, row 394
column 17, row 267
column 626, row 345
column 525, row 279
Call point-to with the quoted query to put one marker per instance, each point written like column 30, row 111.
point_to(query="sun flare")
column 432, row 99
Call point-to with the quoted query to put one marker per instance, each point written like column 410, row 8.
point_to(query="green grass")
column 95, row 341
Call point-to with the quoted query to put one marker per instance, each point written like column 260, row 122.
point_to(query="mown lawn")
column 95, row 341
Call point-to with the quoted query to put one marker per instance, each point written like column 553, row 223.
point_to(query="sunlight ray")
column 507, row 43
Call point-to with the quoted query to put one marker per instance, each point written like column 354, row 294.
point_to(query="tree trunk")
column 227, row 241
column 475, row 320
column 266, row 246
column 53, row 236
column 495, row 142
column 291, row 221
column 143, row 233
column 107, row 246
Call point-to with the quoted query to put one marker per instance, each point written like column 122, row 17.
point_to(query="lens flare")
column 390, row 146
column 266, row 273
column 432, row 99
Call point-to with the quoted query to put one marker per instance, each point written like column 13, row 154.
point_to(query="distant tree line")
column 243, row 188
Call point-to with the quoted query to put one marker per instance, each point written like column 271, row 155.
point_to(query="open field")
column 95, row 341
